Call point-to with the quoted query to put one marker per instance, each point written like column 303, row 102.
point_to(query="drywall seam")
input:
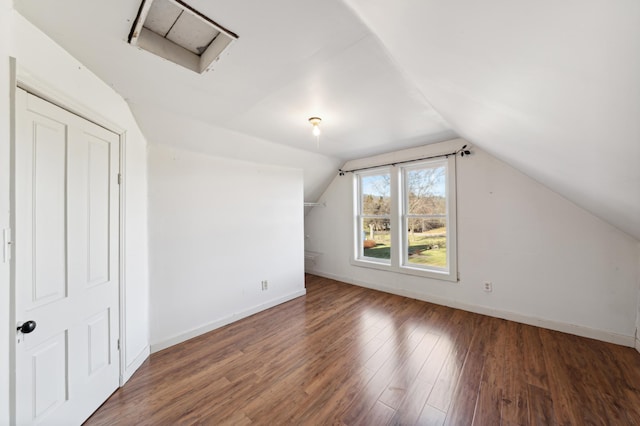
column 605, row 336
column 179, row 338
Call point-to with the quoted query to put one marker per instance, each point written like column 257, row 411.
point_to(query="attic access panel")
column 174, row 31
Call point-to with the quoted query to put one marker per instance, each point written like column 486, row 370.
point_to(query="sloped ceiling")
column 552, row 88
column 294, row 59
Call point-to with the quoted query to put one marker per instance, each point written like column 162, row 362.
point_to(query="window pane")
column 376, row 238
column 376, row 194
column 426, row 190
column 427, row 242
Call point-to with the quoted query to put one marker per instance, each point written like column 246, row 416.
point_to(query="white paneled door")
column 66, row 264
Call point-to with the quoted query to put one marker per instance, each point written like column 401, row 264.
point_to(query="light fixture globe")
column 315, row 122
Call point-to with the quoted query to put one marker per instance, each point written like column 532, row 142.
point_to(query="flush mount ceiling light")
column 315, row 122
column 174, row 31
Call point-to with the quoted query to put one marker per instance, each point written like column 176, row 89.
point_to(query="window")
column 374, row 216
column 405, row 219
column 425, row 216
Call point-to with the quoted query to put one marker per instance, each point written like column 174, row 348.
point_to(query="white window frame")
column 359, row 216
column 399, row 240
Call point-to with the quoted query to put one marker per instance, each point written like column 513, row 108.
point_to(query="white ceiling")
column 552, row 88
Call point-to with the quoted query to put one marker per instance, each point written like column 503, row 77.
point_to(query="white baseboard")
column 135, row 364
column 179, row 338
column 578, row 330
column 637, row 344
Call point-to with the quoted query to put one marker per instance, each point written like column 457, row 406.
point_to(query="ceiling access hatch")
column 175, row 31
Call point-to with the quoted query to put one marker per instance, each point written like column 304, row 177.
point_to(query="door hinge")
column 118, row 344
column 6, row 245
column 119, row 178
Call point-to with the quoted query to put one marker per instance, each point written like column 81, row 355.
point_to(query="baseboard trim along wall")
column 637, row 344
column 605, row 336
column 135, row 364
column 155, row 347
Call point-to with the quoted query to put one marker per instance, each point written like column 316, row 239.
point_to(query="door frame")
column 22, row 79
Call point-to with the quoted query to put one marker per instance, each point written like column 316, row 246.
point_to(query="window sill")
column 406, row 270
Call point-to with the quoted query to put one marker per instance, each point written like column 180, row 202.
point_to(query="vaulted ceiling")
column 552, row 88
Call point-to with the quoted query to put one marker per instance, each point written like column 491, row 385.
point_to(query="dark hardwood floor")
column 348, row 355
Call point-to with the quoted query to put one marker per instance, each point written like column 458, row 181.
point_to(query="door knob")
column 27, row 327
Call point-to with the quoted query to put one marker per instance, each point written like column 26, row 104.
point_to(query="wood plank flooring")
column 348, row 355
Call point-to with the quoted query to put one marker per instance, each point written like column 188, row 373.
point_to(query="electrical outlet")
column 265, row 285
column 488, row 286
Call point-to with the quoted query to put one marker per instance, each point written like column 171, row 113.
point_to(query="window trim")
column 399, row 227
column 359, row 216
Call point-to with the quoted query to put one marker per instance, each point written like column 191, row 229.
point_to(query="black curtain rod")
column 462, row 151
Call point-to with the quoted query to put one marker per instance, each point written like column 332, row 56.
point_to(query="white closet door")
column 66, row 245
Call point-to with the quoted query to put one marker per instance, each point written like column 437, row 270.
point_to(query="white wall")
column 136, row 256
column 45, row 66
column 5, row 297
column 218, row 227
column 191, row 134
column 638, row 312
column 551, row 262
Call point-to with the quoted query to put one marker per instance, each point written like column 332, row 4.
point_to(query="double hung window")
column 405, row 219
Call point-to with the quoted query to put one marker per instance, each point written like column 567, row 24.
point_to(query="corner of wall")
column 638, row 310
column 131, row 368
